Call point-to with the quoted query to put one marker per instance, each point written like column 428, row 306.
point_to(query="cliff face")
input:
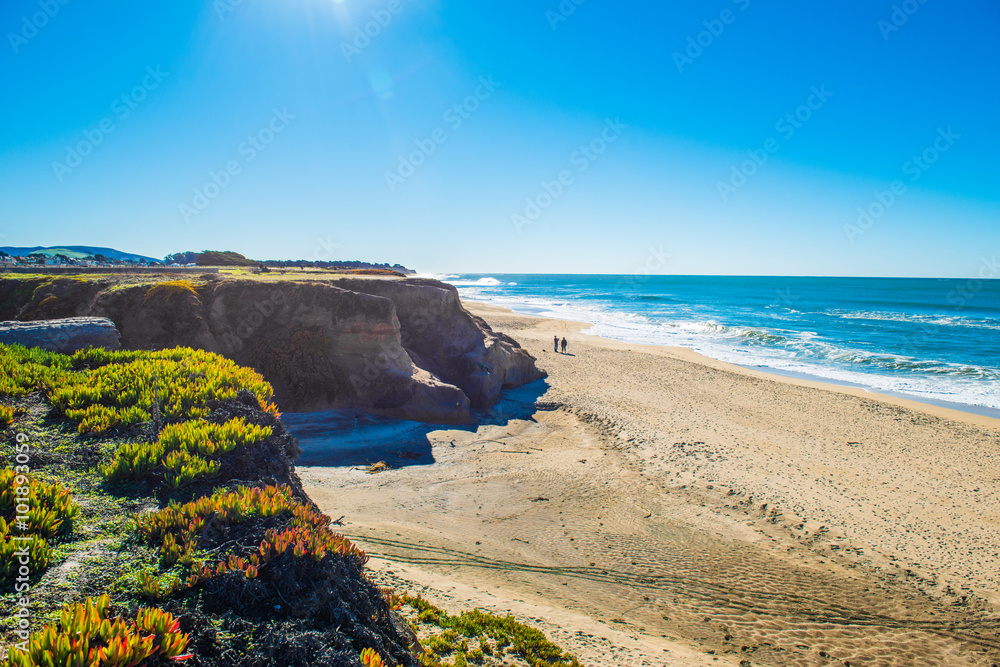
column 440, row 336
column 402, row 348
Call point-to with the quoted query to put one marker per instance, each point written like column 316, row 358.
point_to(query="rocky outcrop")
column 445, row 339
column 398, row 347
column 63, row 335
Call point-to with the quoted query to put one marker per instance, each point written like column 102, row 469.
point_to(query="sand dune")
column 660, row 508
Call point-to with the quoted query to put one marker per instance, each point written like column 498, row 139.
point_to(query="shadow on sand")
column 349, row 438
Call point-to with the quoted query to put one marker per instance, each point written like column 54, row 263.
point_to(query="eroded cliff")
column 399, row 347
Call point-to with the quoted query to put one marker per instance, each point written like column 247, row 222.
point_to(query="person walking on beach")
column 555, row 343
column 564, row 345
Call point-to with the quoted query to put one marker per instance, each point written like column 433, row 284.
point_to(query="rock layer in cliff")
column 403, row 348
column 65, row 335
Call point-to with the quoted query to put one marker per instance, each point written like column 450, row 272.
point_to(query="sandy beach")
column 649, row 506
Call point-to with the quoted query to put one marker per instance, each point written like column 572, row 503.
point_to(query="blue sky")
column 735, row 137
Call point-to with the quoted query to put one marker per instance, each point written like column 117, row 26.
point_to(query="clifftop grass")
column 22, row 286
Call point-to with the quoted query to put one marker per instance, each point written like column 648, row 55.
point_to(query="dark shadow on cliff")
column 349, row 438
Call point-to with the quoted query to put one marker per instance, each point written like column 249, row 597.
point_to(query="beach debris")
column 539, row 499
column 505, row 451
column 338, row 522
column 374, row 468
column 496, row 441
column 518, row 539
column 648, row 512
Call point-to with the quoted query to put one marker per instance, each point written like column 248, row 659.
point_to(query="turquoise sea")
column 936, row 340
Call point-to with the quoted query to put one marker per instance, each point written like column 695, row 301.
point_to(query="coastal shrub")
column 245, row 550
column 99, row 419
column 24, row 369
column 11, row 550
column 104, row 390
column 371, row 658
column 132, row 387
column 168, row 289
column 51, row 507
column 6, row 415
column 51, row 511
column 211, row 439
column 185, row 522
column 178, row 530
column 183, row 452
column 85, row 636
column 529, row 644
column 223, row 258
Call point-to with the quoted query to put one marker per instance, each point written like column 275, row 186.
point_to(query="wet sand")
column 648, row 506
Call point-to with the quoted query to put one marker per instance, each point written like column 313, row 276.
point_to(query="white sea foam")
column 482, row 282
column 802, row 352
column 911, row 318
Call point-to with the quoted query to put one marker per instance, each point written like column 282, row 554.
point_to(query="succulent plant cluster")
column 85, row 636
column 371, row 658
column 195, row 420
column 103, row 390
column 176, row 531
column 51, row 511
column 172, row 385
column 24, row 369
column 185, row 452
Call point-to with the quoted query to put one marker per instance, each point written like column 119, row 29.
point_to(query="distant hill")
column 77, row 252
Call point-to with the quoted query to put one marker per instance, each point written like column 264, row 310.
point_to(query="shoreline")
column 961, row 411
column 649, row 505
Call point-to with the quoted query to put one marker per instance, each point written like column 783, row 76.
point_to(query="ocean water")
column 936, row 340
